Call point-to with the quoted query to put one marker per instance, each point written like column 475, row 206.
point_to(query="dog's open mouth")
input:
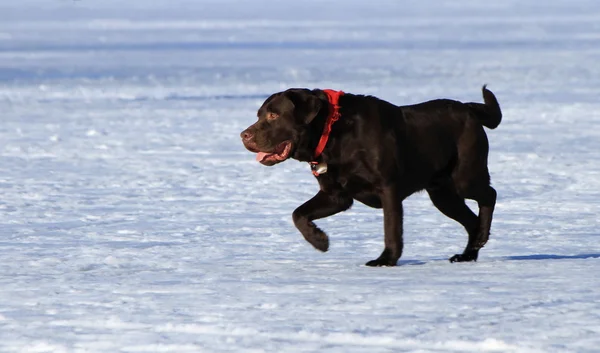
column 280, row 154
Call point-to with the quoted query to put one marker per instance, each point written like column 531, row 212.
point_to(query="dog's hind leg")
column 471, row 180
column 453, row 206
column 485, row 196
column 486, row 200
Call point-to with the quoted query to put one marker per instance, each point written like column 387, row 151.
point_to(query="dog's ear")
column 307, row 104
column 313, row 106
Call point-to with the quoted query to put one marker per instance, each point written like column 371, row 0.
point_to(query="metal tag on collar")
column 318, row 168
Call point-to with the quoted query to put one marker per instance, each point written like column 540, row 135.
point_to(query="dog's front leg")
column 392, row 224
column 320, row 206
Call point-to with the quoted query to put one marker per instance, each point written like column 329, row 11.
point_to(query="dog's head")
column 283, row 123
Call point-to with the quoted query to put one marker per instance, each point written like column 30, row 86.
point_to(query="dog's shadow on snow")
column 415, row 262
column 510, row 258
column 552, row 257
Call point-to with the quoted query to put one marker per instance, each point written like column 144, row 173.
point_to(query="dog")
column 366, row 149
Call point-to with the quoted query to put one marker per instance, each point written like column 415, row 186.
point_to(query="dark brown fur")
column 379, row 154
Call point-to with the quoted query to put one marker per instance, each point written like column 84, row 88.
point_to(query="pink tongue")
column 260, row 156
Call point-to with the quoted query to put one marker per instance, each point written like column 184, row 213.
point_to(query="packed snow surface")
column 133, row 220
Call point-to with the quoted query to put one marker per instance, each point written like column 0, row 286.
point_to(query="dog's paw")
column 380, row 263
column 465, row 257
column 318, row 239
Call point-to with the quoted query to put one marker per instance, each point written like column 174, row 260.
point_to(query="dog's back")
column 488, row 114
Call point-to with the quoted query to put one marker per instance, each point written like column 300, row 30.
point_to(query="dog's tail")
column 489, row 114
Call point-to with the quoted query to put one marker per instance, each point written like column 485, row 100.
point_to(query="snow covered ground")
column 133, row 220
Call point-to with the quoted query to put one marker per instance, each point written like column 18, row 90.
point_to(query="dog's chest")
column 361, row 189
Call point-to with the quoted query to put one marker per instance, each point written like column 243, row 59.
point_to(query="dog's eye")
column 272, row 116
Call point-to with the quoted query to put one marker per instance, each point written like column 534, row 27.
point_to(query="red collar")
column 334, row 114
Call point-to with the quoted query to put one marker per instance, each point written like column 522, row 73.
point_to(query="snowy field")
column 133, row 220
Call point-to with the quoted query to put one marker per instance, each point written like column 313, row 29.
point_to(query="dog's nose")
column 246, row 135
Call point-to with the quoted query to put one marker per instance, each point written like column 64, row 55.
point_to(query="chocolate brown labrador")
column 379, row 154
